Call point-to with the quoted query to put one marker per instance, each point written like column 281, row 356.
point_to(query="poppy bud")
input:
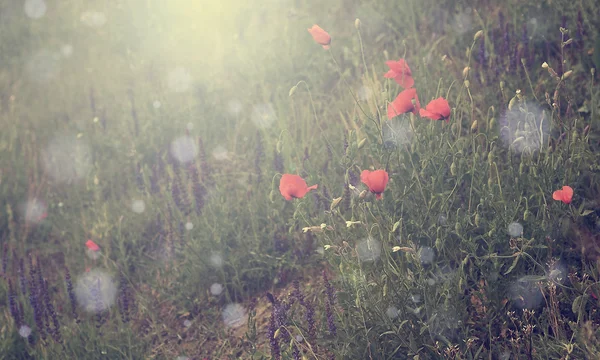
column 465, row 71
column 362, row 143
column 490, row 157
column 396, row 225
column 453, row 169
column 526, row 215
column 362, row 194
column 568, row 73
column 492, row 123
column 574, row 135
column 457, row 227
column 512, row 103
column 521, row 168
column 478, row 35
column 292, row 90
column 335, row 203
column 467, row 83
column 357, row 23
column 474, row 126
column 438, row 244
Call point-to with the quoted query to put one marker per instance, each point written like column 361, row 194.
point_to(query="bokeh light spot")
column 234, row 315
column 179, row 80
column 263, row 115
column 95, row 291
column 515, row 229
column 184, row 149
column 35, row 9
column 368, row 249
column 216, row 289
column 138, row 206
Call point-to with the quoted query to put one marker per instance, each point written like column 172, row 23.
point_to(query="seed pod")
column 453, row 169
column 357, row 23
column 474, row 126
column 362, row 143
column 292, row 90
column 512, row 103
column 438, row 244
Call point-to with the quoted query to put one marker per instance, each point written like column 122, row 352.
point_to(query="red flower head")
column 565, row 194
column 321, row 36
column 293, row 186
column 375, row 180
column 437, row 109
column 92, row 245
column 404, row 103
column 400, row 72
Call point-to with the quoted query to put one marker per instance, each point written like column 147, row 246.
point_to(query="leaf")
column 576, row 304
column 514, row 264
column 532, row 278
column 396, row 224
column 586, row 212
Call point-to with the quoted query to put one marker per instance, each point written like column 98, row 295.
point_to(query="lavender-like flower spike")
column 139, row 178
column 34, row 299
column 329, row 304
column 124, row 303
column 275, row 350
column 4, row 258
column 22, row 279
column 481, row 53
column 12, row 304
column 50, row 308
column 259, row 153
column 71, row 294
column 198, row 189
column 97, row 296
column 278, row 162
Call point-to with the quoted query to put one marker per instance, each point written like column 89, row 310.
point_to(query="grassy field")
column 143, row 210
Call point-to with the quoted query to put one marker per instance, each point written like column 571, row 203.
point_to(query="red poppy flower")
column 565, row 194
column 404, row 103
column 293, row 186
column 92, row 245
column 437, row 109
column 321, row 36
column 400, row 72
column 376, row 181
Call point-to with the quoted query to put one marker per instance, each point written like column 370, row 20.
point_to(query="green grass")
column 448, row 281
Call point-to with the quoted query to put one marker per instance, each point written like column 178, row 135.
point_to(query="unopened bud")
column 292, row 90
column 466, row 71
column 474, row 126
column 478, row 35
column 357, row 23
column 545, row 65
column 567, row 74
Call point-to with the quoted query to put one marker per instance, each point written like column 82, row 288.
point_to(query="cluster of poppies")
column 293, row 186
column 407, row 101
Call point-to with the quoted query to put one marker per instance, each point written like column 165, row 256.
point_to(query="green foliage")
column 439, row 267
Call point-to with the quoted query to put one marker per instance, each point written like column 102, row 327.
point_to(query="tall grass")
column 466, row 256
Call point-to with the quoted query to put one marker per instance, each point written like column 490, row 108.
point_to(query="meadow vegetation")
column 143, row 210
